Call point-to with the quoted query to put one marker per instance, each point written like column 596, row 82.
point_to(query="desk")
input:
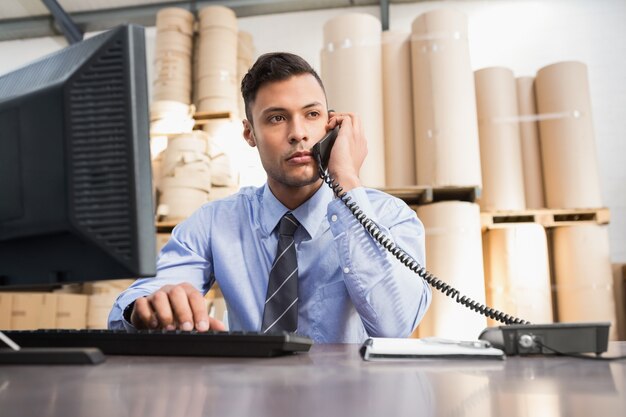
column 330, row 380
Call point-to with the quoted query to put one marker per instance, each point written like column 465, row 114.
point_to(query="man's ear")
column 248, row 133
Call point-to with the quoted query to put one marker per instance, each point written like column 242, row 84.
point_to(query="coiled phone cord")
column 407, row 260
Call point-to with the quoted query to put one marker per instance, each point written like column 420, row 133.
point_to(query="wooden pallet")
column 202, row 118
column 546, row 217
column 166, row 226
column 425, row 194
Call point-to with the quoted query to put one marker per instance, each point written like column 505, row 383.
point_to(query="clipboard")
column 381, row 348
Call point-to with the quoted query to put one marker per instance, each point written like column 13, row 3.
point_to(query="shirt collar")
column 310, row 214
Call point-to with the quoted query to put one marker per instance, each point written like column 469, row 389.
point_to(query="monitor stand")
column 14, row 355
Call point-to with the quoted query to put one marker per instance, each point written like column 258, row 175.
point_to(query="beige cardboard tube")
column 567, row 142
column 453, row 254
column 398, row 109
column 531, row 148
column 583, row 276
column 351, row 63
column 500, row 147
column 446, row 131
column 517, row 272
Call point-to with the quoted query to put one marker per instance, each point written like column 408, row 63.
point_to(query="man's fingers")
column 198, row 306
column 142, row 316
column 161, row 306
column 180, row 306
column 216, row 325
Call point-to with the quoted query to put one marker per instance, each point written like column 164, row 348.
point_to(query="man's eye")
column 314, row 114
column 276, row 118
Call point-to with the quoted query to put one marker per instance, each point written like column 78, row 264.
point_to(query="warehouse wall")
column 523, row 35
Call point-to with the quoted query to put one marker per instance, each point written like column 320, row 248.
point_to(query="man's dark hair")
column 275, row 66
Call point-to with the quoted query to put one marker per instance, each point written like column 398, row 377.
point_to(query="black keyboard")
column 165, row 343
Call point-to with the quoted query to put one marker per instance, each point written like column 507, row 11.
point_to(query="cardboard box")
column 99, row 309
column 48, row 314
column 6, row 303
column 71, row 311
column 26, row 310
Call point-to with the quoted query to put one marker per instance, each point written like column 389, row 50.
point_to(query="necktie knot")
column 288, row 225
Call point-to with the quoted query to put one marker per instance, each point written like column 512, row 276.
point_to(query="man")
column 289, row 256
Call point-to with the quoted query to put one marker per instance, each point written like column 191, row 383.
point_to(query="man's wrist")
column 347, row 181
column 128, row 311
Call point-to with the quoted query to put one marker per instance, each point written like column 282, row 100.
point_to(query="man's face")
column 288, row 118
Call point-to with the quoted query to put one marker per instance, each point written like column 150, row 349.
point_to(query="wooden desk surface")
column 330, row 380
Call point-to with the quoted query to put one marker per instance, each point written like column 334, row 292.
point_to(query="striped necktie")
column 281, row 301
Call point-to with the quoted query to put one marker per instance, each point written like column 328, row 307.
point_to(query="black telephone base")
column 565, row 338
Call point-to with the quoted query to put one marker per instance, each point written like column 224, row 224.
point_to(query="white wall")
column 523, row 35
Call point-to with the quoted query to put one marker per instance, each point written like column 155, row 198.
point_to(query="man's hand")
column 174, row 307
column 349, row 150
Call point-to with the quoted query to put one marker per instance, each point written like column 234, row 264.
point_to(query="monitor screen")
column 75, row 177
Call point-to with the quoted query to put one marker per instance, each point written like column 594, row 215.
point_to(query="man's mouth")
column 300, row 157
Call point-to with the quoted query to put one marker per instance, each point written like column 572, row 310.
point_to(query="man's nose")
column 298, row 131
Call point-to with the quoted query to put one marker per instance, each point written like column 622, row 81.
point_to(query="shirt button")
column 346, row 270
column 333, row 217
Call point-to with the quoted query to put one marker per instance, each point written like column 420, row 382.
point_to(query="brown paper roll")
column 217, row 16
column 398, row 109
column 567, row 137
column 453, row 254
column 531, row 148
column 517, row 272
column 351, row 63
column 446, row 131
column 500, row 147
column 583, row 276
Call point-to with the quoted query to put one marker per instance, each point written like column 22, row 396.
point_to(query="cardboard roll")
column 215, row 128
column 196, row 174
column 171, row 55
column 164, row 108
column 185, row 164
column 517, row 271
column 245, row 45
column 169, row 126
column 531, row 148
column 350, row 30
column 174, row 18
column 444, row 101
column 183, row 84
column 217, row 16
column 500, row 146
column 217, row 86
column 583, row 276
column 201, row 181
column 438, row 25
column 568, row 150
column 221, row 171
column 195, row 141
column 217, row 105
column 181, row 96
column 178, row 12
column 218, row 192
column 172, row 84
column 398, row 109
column 217, row 45
column 344, row 78
column 181, row 45
column 215, row 36
column 173, row 63
column 180, row 203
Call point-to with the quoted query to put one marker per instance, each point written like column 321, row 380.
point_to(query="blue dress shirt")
column 348, row 286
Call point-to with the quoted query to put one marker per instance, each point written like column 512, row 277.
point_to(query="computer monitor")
column 75, row 176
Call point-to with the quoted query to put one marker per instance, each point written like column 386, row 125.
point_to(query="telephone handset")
column 321, row 150
column 321, row 153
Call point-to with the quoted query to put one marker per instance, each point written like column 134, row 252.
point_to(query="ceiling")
column 30, row 18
